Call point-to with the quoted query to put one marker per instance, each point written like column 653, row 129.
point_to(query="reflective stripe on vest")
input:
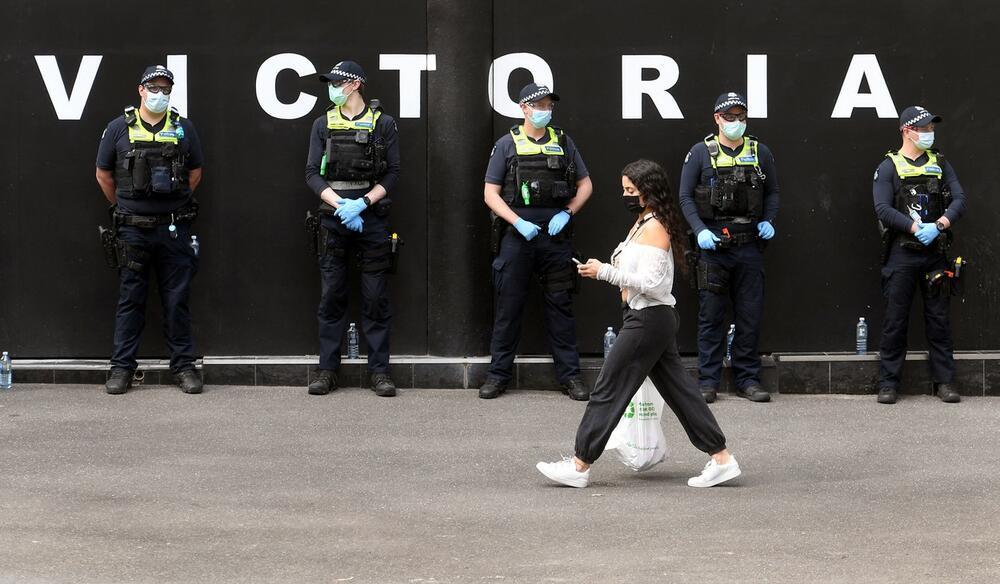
column 525, row 146
column 137, row 132
column 336, row 121
column 906, row 170
column 747, row 156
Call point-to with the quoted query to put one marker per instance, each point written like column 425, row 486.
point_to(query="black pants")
column 175, row 265
column 646, row 347
column 513, row 269
column 376, row 311
column 903, row 274
column 741, row 270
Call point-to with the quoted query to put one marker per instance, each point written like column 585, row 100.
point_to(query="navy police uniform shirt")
column 887, row 183
column 698, row 170
column 504, row 151
column 115, row 145
column 385, row 132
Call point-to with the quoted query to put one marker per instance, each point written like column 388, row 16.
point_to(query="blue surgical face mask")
column 157, row 102
column 924, row 140
column 540, row 118
column 337, row 95
column 734, row 130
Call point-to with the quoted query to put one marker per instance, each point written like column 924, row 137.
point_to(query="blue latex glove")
column 927, row 233
column 707, row 239
column 527, row 230
column 356, row 224
column 557, row 222
column 349, row 209
column 765, row 230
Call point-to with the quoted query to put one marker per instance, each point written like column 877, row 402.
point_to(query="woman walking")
column 642, row 266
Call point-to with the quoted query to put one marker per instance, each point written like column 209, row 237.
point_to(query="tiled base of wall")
column 977, row 373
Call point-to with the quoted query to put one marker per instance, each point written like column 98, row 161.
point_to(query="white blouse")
column 645, row 271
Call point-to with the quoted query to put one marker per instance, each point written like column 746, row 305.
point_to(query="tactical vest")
column 351, row 152
column 736, row 190
column 921, row 195
column 155, row 167
column 540, row 175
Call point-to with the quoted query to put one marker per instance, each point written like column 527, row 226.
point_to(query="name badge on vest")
column 363, row 124
column 168, row 134
column 553, row 149
column 748, row 159
column 932, row 168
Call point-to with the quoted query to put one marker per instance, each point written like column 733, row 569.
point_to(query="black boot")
column 325, row 382
column 119, row 381
column 947, row 393
column 492, row 388
column 754, row 393
column 190, row 381
column 710, row 394
column 382, row 385
column 576, row 390
column 887, row 395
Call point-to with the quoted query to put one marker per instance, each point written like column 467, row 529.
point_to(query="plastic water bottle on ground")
column 729, row 343
column 195, row 246
column 862, row 336
column 609, row 340
column 6, row 372
column 352, row 342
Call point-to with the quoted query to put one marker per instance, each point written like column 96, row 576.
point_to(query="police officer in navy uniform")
column 353, row 164
column 917, row 200
column 729, row 195
column 536, row 182
column 148, row 166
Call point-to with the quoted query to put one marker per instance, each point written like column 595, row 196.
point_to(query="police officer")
column 917, row 200
column 729, row 195
column 536, row 182
column 353, row 164
column 148, row 166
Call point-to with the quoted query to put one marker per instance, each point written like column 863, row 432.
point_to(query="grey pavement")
column 272, row 485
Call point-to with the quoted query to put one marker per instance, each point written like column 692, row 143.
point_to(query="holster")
column 886, row 237
column 712, row 278
column 498, row 228
column 109, row 242
column 313, row 243
column 563, row 279
column 385, row 257
column 691, row 259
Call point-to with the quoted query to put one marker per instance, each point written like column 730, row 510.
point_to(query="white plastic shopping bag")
column 638, row 438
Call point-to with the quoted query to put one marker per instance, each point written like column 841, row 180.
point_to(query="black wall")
column 257, row 289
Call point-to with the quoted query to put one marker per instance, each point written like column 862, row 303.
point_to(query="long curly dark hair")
column 652, row 182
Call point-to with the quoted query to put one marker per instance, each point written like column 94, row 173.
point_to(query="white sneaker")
column 715, row 473
column 564, row 472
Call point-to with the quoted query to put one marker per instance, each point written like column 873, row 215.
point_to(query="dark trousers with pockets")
column 513, row 269
column 904, row 273
column 175, row 265
column 376, row 310
column 742, row 269
column 646, row 347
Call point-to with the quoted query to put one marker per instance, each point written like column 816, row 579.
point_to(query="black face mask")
column 632, row 203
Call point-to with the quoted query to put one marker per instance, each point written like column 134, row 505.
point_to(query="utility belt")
column 499, row 229
column 186, row 213
column 941, row 245
column 383, row 257
column 120, row 254
column 731, row 240
column 946, row 281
